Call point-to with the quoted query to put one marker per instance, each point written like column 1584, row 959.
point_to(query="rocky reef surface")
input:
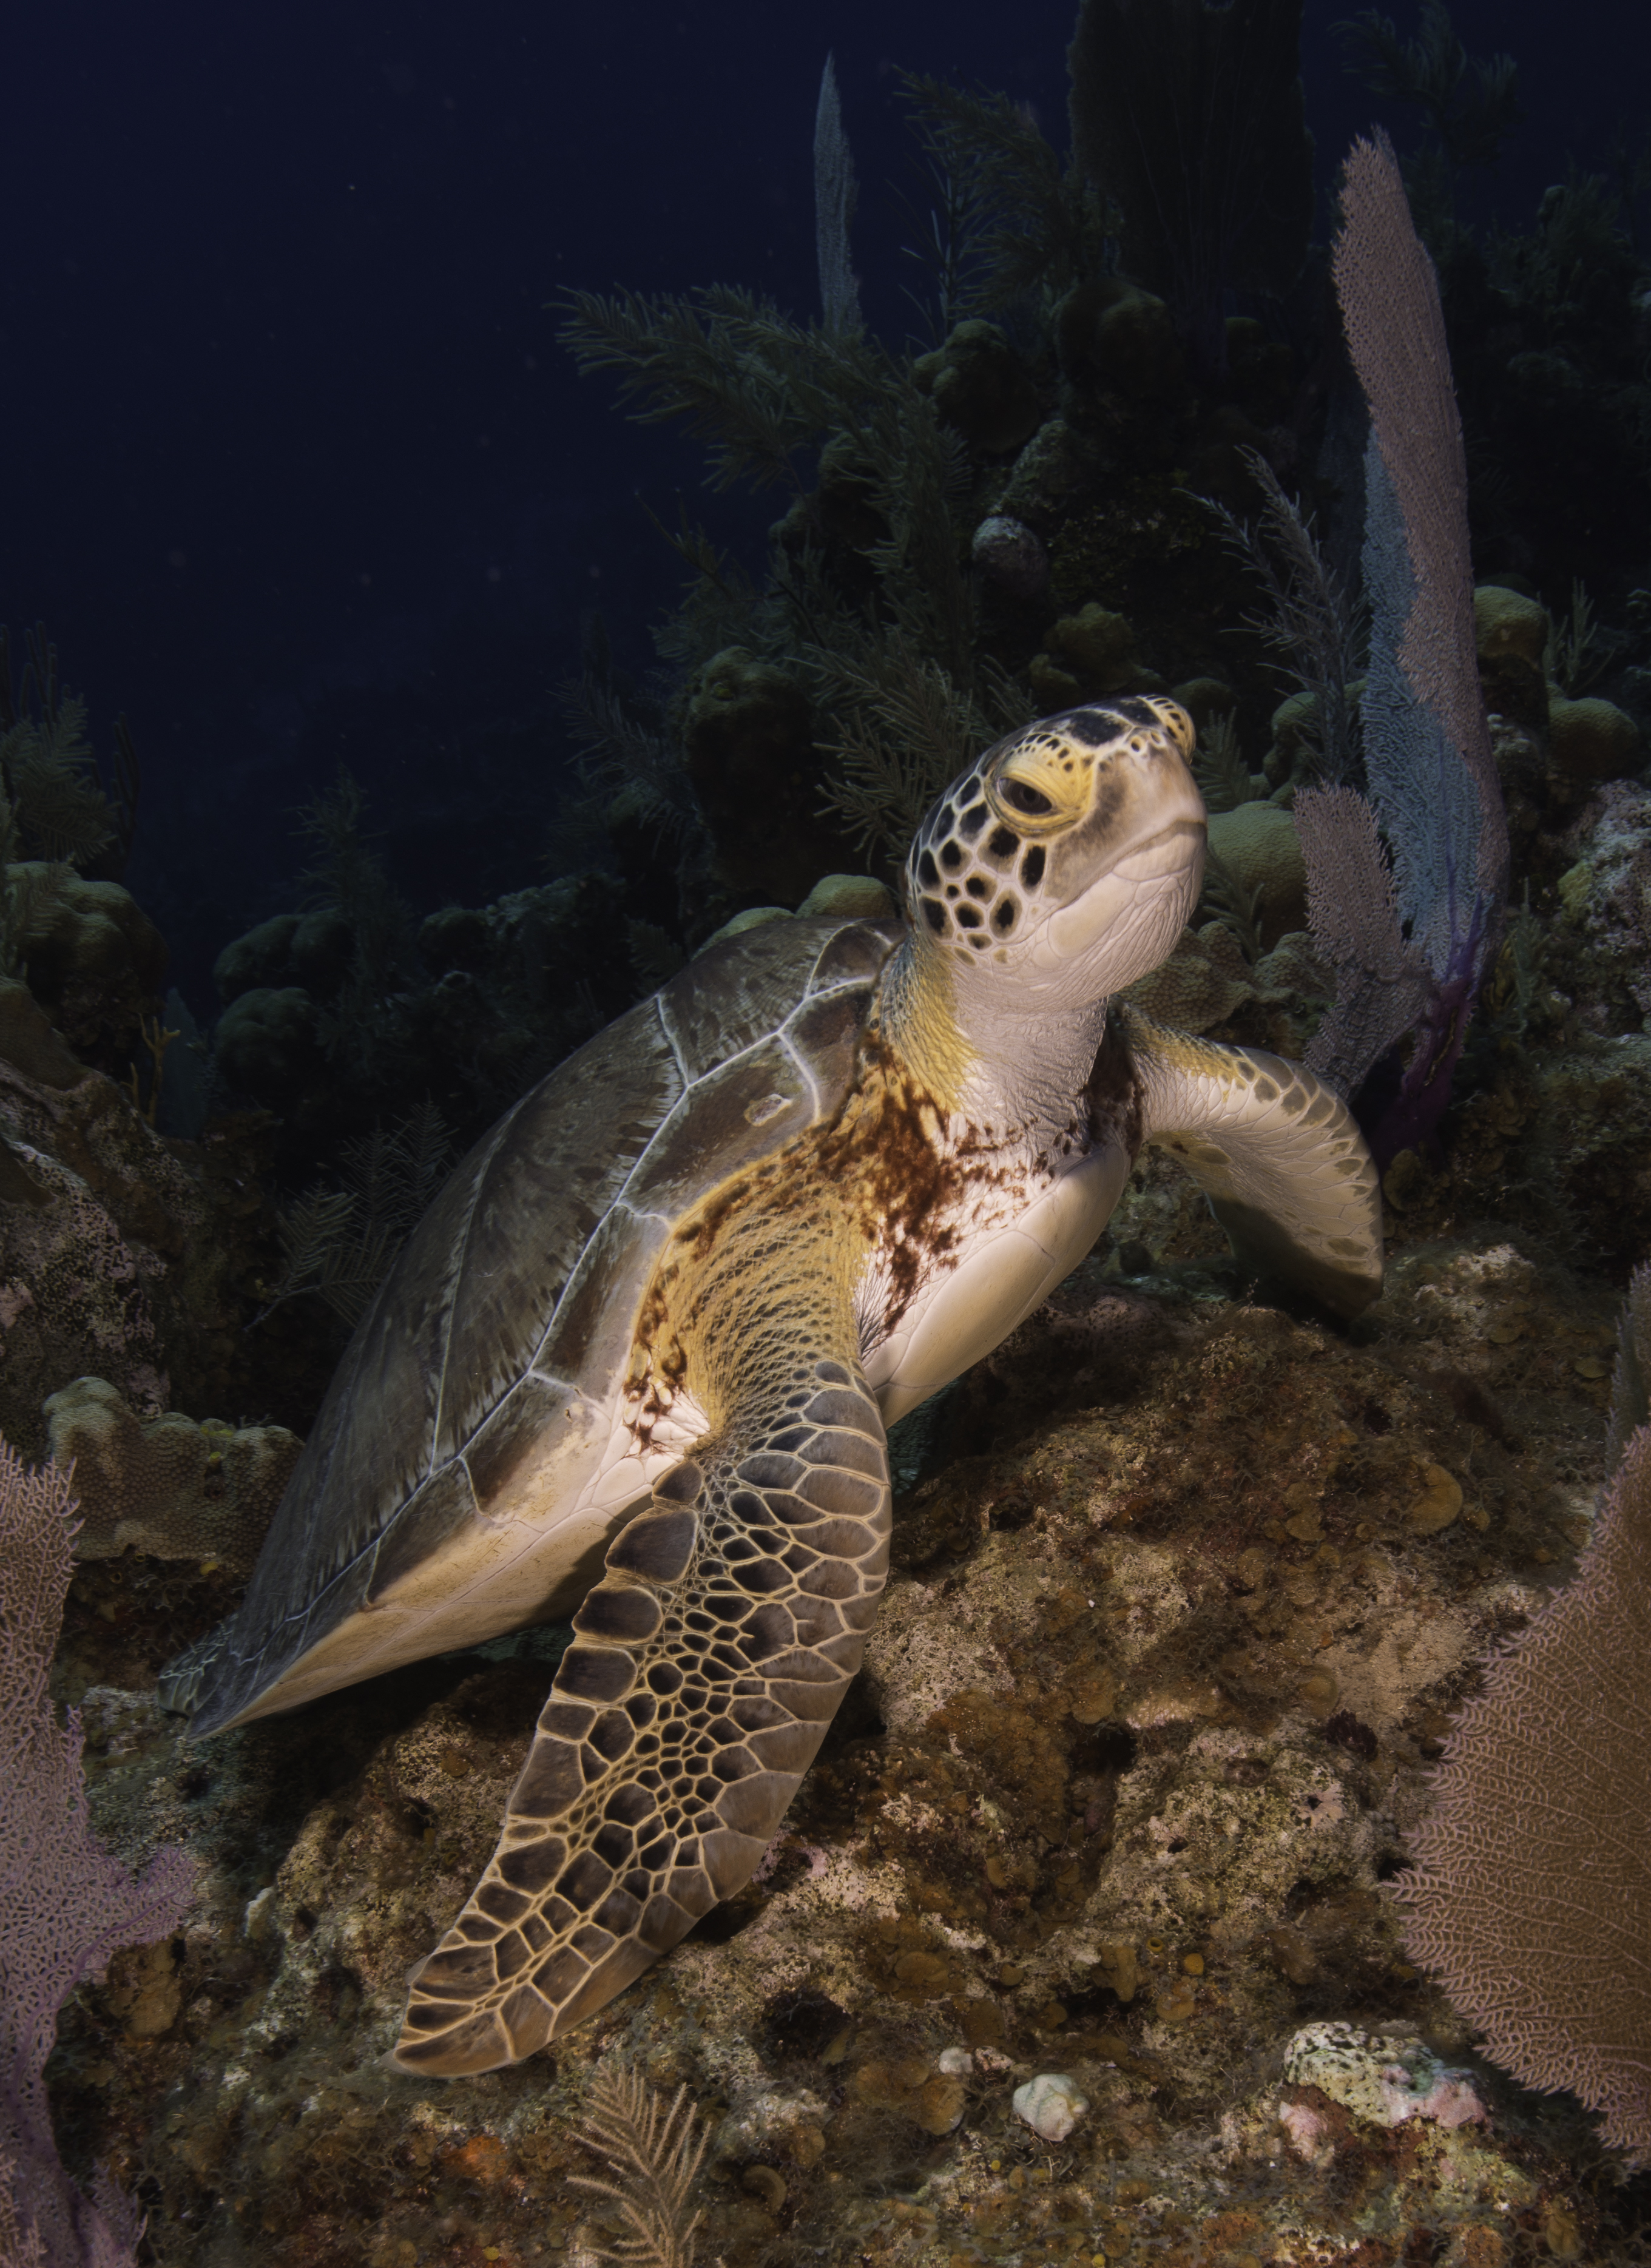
column 1181, row 1606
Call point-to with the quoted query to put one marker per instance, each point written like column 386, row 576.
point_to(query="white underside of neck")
column 1013, row 1252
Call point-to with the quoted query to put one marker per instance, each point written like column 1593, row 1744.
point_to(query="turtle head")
column 1066, row 860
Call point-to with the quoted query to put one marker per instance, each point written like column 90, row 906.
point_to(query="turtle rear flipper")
column 707, row 1664
column 1278, row 1155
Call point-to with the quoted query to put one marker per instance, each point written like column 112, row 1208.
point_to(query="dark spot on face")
column 951, row 857
column 972, row 820
column 980, row 943
column 1111, row 791
column 1139, row 712
column 1003, row 919
column 1032, row 866
column 935, row 914
column 951, row 890
column 1096, row 728
column 978, row 887
column 928, row 873
column 969, row 915
column 1003, row 844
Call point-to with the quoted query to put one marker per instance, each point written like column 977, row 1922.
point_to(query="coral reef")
column 1080, row 1940
column 108, row 1265
column 1149, row 1712
column 166, row 1485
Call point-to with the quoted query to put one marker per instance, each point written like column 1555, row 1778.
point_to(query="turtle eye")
column 1025, row 799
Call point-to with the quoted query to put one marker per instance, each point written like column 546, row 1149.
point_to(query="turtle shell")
column 471, row 1414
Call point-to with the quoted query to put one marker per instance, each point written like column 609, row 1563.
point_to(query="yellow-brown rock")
column 1592, row 739
column 981, row 385
column 1258, row 843
column 92, row 932
column 166, row 1485
column 1090, row 653
column 1511, row 633
column 1201, row 983
column 1508, row 627
column 29, row 1041
column 1206, row 698
column 748, row 736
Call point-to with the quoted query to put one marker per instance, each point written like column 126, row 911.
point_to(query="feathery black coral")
column 656, row 2154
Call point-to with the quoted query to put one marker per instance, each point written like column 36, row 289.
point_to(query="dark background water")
column 295, row 473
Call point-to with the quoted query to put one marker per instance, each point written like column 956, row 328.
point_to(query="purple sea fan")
column 1530, row 1894
column 66, row 1905
column 1428, row 752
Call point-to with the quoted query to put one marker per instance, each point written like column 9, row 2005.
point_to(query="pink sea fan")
column 1530, row 1894
column 66, row 1905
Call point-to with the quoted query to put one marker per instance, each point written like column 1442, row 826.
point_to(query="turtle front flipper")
column 707, row 1664
column 1276, row 1152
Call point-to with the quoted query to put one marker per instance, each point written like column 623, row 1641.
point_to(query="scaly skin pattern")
column 643, row 1347
column 1276, row 1152
column 711, row 1656
column 734, row 1611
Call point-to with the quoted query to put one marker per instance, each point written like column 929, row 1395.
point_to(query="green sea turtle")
column 642, row 1348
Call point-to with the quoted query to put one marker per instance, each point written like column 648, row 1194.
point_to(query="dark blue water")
column 295, row 472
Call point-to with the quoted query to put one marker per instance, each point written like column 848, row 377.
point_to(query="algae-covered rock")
column 87, row 933
column 166, row 1485
column 1207, row 979
column 1592, row 739
column 1090, row 653
column 1600, row 953
column 1509, row 628
column 261, row 957
column 1206, row 698
column 747, row 730
column 29, row 1041
column 1200, row 984
column 1258, row 846
column 1511, row 633
column 1010, row 558
column 1114, row 335
column 269, row 1046
column 980, row 385
column 93, row 960
column 1298, row 737
column 1147, row 1714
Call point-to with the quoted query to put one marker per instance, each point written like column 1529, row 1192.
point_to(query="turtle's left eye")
column 1027, row 800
